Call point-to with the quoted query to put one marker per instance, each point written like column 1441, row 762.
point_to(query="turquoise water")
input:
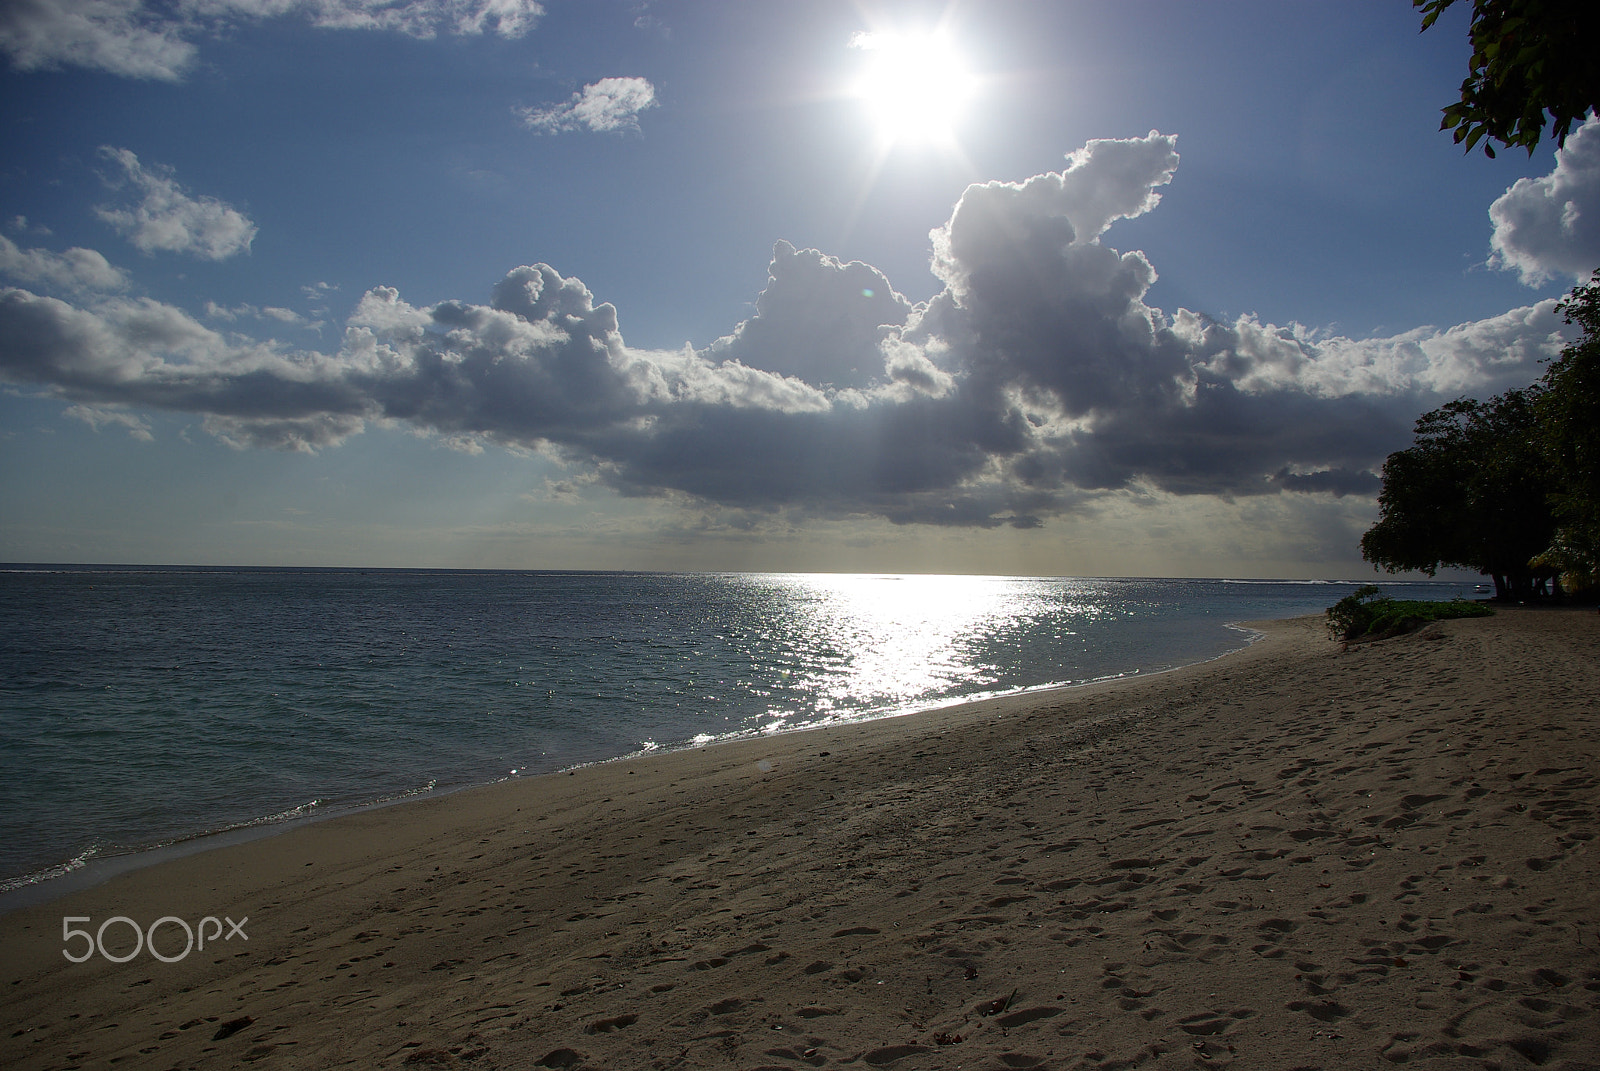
column 143, row 706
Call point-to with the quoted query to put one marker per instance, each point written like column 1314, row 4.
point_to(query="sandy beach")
column 1297, row 856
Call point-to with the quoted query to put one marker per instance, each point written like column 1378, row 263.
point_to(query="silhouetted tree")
column 1529, row 57
column 1568, row 413
column 1471, row 492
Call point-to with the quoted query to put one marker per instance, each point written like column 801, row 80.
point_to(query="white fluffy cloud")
column 1485, row 355
column 120, row 36
column 165, row 218
column 75, row 270
column 140, row 39
column 1037, row 381
column 609, row 104
column 1549, row 227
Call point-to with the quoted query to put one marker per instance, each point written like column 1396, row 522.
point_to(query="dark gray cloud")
column 1036, row 381
column 819, row 320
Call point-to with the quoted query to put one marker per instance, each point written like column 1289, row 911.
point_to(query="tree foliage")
column 1568, row 413
column 1471, row 492
column 1509, row 487
column 1529, row 58
column 1365, row 613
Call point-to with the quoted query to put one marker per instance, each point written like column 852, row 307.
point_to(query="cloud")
column 167, row 219
column 1485, row 355
column 540, row 363
column 415, row 18
column 140, row 353
column 73, row 271
column 120, row 36
column 1549, row 227
column 819, row 320
column 1037, row 384
column 609, row 104
column 254, row 312
column 139, row 39
column 136, row 427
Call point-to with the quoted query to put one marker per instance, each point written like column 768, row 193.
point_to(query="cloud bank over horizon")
column 1036, row 381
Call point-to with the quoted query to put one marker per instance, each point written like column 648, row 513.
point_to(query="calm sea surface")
column 139, row 706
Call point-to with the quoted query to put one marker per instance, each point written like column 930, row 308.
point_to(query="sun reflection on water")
column 874, row 643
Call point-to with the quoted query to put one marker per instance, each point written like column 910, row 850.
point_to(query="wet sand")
column 1297, row 856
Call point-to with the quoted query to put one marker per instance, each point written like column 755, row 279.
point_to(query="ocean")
column 146, row 706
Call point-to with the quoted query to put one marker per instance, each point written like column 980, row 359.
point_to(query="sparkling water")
column 139, row 706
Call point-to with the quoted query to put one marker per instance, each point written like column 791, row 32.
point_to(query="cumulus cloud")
column 1038, row 383
column 166, row 218
column 140, row 39
column 609, row 104
column 819, row 320
column 540, row 363
column 1549, row 227
column 75, row 270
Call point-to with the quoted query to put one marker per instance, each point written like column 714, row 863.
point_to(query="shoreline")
column 72, row 876
column 1293, row 855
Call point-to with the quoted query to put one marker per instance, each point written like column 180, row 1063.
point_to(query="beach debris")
column 995, row 1007
column 232, row 1027
column 944, row 1037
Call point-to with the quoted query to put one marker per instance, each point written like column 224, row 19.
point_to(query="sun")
column 915, row 86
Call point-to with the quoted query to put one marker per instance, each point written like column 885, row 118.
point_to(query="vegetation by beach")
column 1363, row 615
column 1509, row 487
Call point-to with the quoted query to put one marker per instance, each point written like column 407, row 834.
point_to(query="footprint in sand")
column 1027, row 1015
column 1324, row 1011
column 889, row 1054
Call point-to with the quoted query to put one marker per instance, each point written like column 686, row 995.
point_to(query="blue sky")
column 1082, row 288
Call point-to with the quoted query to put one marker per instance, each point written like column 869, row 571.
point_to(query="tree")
column 1568, row 414
column 1529, row 57
column 1471, row 492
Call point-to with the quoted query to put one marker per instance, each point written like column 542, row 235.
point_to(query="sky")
column 1094, row 288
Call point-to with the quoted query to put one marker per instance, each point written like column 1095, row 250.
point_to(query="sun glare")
column 914, row 86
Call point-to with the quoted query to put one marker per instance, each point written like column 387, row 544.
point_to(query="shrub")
column 1365, row 614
